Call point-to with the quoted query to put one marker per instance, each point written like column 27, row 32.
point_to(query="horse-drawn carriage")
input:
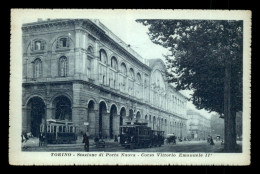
column 171, row 138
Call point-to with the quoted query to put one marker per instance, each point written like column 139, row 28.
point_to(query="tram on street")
column 139, row 135
column 158, row 138
column 59, row 131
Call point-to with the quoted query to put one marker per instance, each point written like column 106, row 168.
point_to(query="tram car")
column 158, row 138
column 139, row 135
column 59, row 131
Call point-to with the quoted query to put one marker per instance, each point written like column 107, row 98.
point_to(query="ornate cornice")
column 51, row 25
column 61, row 24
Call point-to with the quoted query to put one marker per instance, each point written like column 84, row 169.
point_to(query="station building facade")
column 78, row 70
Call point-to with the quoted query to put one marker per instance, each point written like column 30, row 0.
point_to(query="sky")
column 135, row 35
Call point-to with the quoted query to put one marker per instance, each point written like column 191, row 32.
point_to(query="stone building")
column 217, row 126
column 78, row 70
column 198, row 125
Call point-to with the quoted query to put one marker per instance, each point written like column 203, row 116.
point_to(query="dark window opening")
column 63, row 42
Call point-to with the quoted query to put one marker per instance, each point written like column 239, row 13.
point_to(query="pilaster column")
column 78, row 117
column 48, row 62
column 116, row 122
column 93, row 122
column 105, row 124
column 50, row 112
column 26, row 121
column 78, row 53
column 95, row 72
column 25, row 67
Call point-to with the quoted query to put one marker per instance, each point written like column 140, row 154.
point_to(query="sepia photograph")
column 130, row 87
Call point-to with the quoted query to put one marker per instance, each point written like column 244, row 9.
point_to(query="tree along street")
column 206, row 58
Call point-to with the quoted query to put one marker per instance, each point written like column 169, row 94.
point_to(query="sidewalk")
column 34, row 143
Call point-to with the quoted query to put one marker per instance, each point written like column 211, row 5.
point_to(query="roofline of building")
column 122, row 44
column 178, row 92
column 197, row 113
column 108, row 33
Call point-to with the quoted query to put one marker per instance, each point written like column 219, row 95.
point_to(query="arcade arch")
column 91, row 117
column 36, row 112
column 138, row 115
column 62, row 106
column 122, row 116
column 102, row 121
column 112, row 121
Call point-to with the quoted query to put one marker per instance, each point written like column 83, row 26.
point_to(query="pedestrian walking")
column 41, row 139
column 44, row 139
column 119, row 139
column 174, row 139
column 116, row 139
column 86, row 141
column 211, row 141
column 208, row 139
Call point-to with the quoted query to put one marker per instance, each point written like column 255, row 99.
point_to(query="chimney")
column 39, row 20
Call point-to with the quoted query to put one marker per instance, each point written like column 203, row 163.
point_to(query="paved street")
column 189, row 146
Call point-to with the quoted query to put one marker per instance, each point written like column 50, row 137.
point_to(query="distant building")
column 198, row 126
column 217, row 126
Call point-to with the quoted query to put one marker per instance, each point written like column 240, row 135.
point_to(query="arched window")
column 103, row 56
column 131, row 73
column 123, row 68
column 62, row 106
column 37, row 68
column 63, row 42
column 63, row 63
column 114, row 63
column 90, row 51
column 139, row 77
column 38, row 45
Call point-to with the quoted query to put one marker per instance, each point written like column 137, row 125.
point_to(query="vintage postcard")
column 130, row 87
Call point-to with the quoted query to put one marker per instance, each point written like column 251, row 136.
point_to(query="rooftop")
column 102, row 27
column 193, row 112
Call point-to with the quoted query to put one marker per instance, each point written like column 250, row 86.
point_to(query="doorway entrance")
column 37, row 113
